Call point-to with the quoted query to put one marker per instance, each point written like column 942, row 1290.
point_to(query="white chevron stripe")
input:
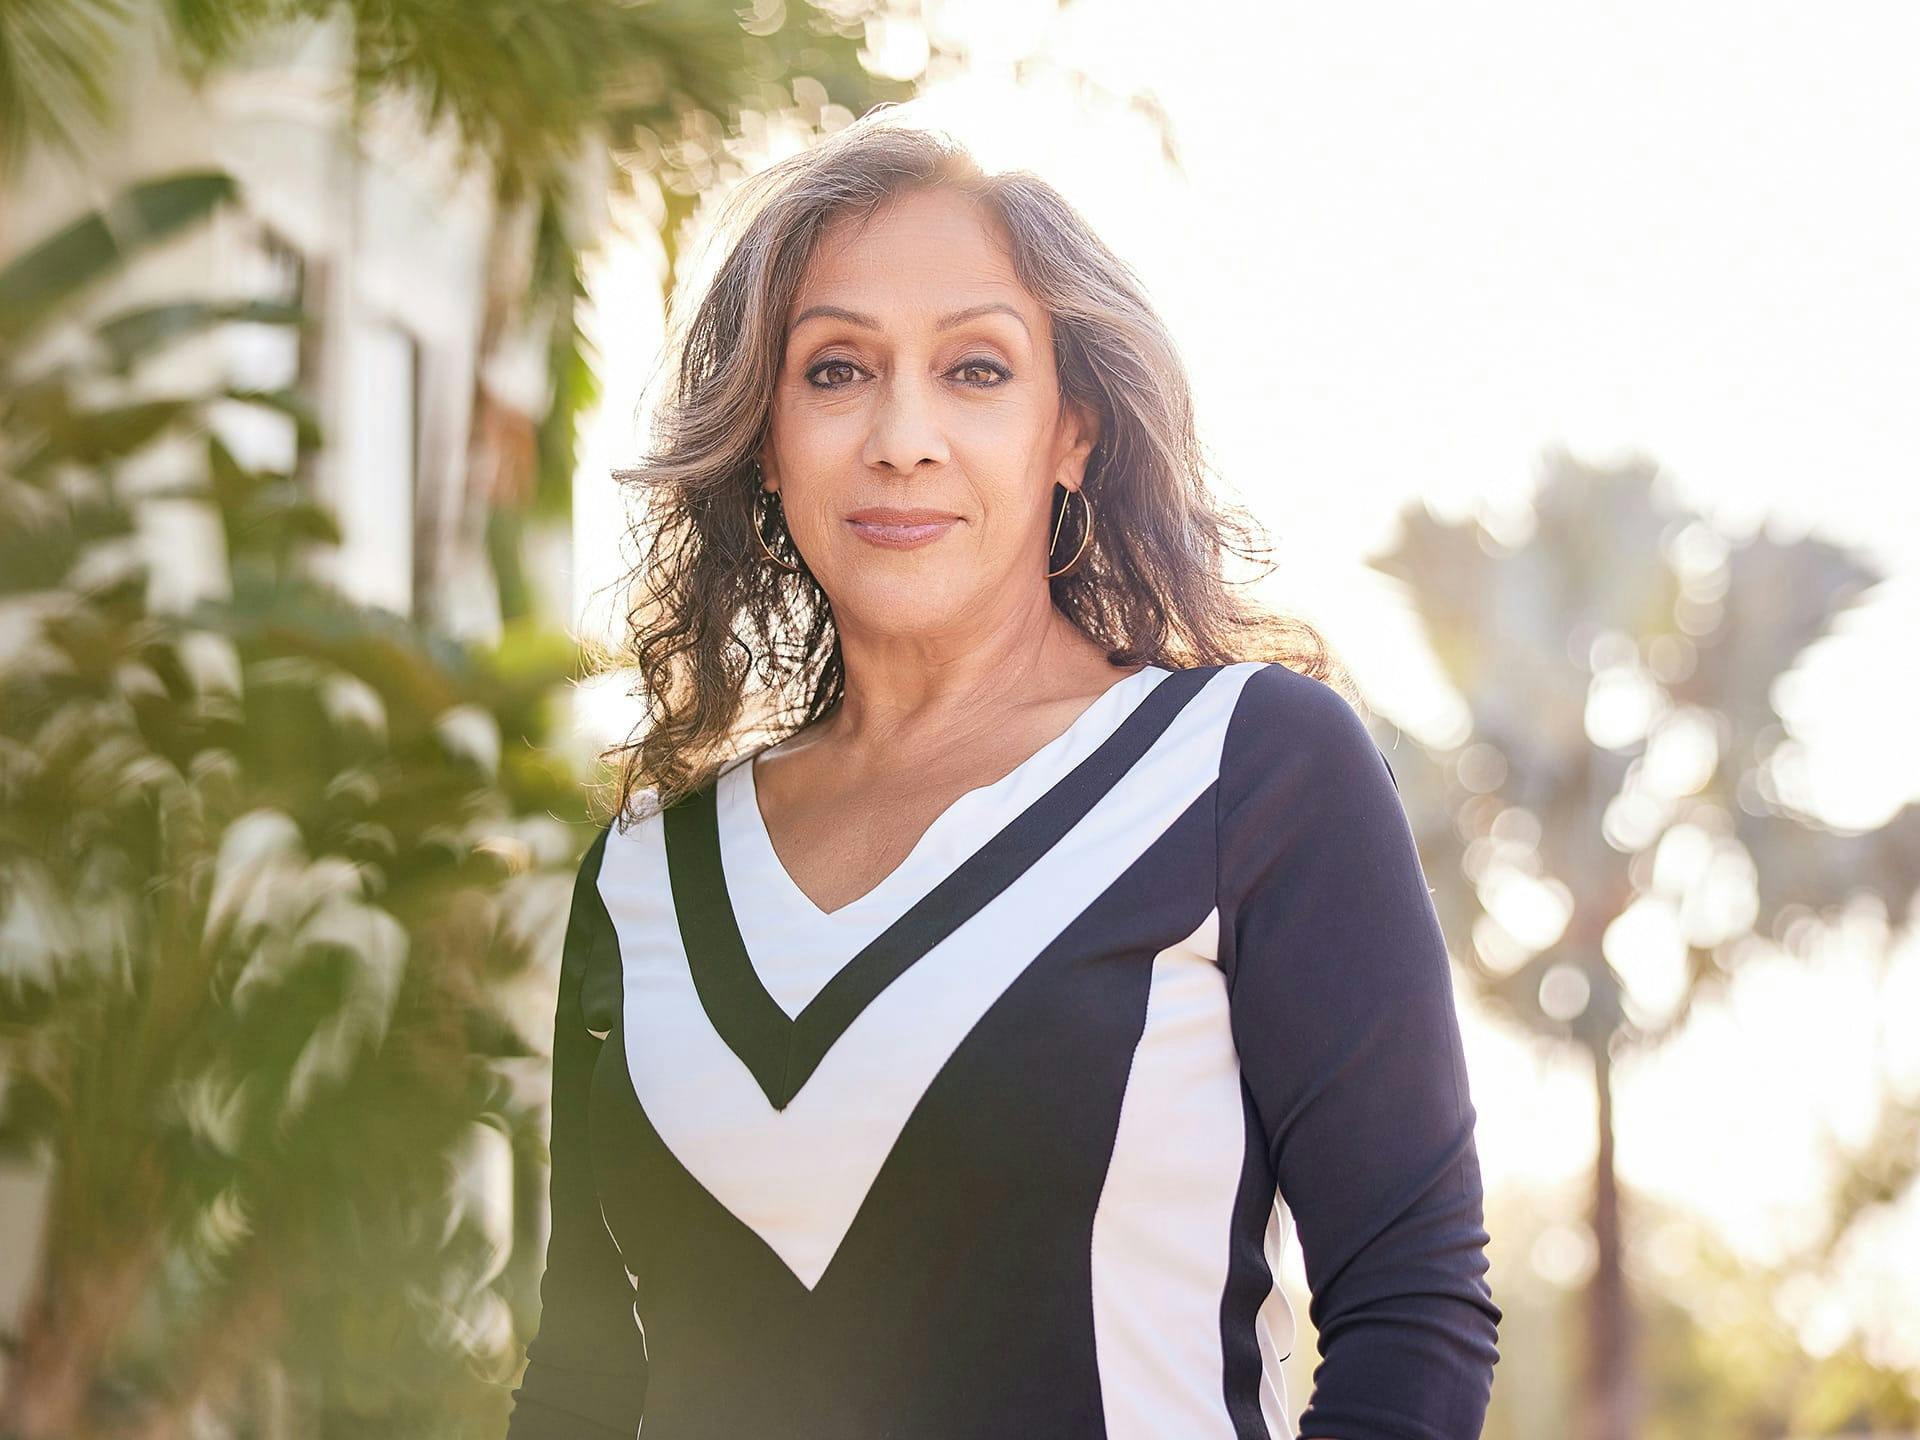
column 798, row 1176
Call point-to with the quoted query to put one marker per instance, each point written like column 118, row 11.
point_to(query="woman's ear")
column 1085, row 427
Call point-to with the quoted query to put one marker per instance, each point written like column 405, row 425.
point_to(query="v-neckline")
column 994, row 833
column 977, row 802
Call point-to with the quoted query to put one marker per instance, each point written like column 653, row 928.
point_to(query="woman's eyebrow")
column 945, row 322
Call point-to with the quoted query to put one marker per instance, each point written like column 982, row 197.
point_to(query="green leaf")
column 134, row 334
column 101, row 243
column 92, row 437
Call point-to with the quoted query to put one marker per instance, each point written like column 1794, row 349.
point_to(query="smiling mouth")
column 902, row 533
column 901, row 527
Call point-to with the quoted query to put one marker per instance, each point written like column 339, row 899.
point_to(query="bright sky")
column 1416, row 245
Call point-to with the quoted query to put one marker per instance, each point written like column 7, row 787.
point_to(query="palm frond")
column 100, row 243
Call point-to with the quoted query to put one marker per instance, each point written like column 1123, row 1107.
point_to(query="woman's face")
column 918, row 376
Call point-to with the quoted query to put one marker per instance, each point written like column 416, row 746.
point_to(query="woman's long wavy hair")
column 710, row 613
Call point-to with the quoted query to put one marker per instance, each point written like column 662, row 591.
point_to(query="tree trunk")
column 68, row 1325
column 1610, row 1381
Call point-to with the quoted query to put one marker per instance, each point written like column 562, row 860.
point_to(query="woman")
column 956, row 1065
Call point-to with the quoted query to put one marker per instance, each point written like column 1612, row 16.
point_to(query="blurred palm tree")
column 1622, row 819
column 263, row 867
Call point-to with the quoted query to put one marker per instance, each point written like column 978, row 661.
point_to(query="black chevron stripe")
column 782, row 1052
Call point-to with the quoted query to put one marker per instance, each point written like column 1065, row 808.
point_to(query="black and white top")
column 1009, row 1146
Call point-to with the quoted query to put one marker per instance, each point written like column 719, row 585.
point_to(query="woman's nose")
column 905, row 428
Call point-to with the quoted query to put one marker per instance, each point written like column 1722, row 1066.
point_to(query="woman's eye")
column 982, row 374
column 824, row 366
column 998, row 372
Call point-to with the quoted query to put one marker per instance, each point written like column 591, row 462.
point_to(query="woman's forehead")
column 935, row 264
column 920, row 237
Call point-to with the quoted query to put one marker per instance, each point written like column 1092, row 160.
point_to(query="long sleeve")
column 1344, row 1018
column 586, row 1375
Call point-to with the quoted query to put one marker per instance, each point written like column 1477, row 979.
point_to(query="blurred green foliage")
column 1721, row 1358
column 265, row 865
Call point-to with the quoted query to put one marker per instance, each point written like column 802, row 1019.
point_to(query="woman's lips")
column 902, row 535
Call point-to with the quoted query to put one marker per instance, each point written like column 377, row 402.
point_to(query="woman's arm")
column 1343, row 1015
column 586, row 1372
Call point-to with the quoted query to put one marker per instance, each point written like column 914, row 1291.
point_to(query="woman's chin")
column 931, row 602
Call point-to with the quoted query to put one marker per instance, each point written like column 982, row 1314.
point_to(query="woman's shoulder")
column 1277, row 701
column 1287, row 723
column 1303, row 788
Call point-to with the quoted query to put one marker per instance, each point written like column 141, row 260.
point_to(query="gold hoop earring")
column 1087, row 535
column 753, row 523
